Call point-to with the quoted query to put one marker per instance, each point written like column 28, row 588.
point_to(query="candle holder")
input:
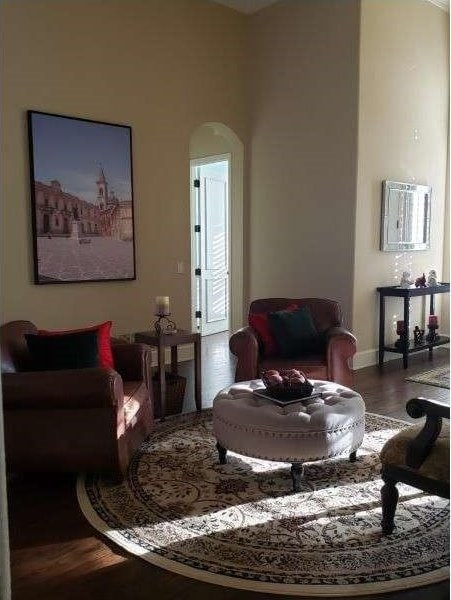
column 401, row 331
column 432, row 335
column 418, row 336
column 400, row 327
column 163, row 325
column 401, row 341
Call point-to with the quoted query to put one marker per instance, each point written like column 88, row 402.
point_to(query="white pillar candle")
column 162, row 305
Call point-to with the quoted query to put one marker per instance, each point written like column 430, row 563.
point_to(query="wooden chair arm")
column 419, row 448
column 418, row 407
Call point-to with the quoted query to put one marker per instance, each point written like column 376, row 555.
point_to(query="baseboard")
column 363, row 359
column 368, row 358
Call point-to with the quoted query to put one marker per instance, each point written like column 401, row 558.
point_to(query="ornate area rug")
column 240, row 525
column 438, row 377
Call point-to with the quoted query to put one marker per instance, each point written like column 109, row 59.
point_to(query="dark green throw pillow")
column 67, row 351
column 295, row 332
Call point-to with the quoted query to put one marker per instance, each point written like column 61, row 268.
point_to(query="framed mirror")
column 406, row 216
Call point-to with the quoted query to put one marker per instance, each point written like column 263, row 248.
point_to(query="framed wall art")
column 82, row 199
column 406, row 216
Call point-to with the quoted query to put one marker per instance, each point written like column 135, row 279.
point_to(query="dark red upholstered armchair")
column 73, row 420
column 331, row 364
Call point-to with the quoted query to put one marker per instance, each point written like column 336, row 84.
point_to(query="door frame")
column 199, row 162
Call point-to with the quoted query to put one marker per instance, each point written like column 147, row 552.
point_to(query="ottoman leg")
column 297, row 471
column 222, row 453
column 353, row 456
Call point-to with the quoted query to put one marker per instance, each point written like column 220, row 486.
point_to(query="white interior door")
column 211, row 245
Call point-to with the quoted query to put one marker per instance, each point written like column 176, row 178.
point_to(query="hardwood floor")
column 56, row 555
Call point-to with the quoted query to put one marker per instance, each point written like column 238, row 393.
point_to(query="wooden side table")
column 408, row 345
column 172, row 340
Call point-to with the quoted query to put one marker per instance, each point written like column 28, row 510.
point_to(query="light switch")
column 180, row 266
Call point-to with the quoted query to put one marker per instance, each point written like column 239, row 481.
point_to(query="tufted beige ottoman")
column 306, row 431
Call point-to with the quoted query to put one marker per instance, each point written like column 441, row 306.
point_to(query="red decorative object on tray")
column 420, row 281
column 289, row 383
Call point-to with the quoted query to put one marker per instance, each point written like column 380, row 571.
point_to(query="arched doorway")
column 211, row 144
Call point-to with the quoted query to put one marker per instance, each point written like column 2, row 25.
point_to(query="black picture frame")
column 81, row 183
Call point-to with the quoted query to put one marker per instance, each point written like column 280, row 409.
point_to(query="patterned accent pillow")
column 259, row 322
column 295, row 332
column 103, row 331
column 66, row 351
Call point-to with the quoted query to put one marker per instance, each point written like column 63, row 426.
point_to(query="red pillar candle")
column 399, row 327
column 433, row 320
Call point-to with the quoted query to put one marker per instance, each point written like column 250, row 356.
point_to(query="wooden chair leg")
column 389, row 495
column 222, row 453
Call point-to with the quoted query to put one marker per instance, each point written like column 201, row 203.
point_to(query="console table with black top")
column 172, row 340
column 408, row 345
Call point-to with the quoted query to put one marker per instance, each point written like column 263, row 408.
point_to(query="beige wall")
column 304, row 149
column 206, row 142
column 445, row 316
column 5, row 573
column 162, row 67
column 165, row 68
column 404, row 69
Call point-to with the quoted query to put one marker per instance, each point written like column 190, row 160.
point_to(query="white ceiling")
column 252, row 6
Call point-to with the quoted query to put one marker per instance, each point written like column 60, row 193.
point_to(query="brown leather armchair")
column 331, row 364
column 73, row 420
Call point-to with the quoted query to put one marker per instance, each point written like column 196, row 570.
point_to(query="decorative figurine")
column 405, row 282
column 432, row 277
column 418, row 336
column 421, row 281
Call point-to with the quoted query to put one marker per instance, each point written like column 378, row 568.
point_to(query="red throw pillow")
column 259, row 322
column 103, row 341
